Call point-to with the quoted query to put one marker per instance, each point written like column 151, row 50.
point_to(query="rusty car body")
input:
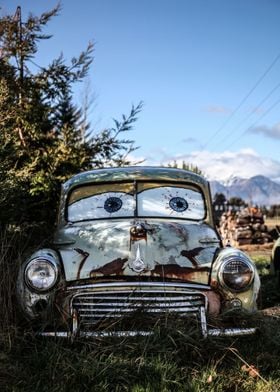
column 135, row 239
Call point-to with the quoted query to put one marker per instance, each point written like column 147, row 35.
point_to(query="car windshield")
column 142, row 199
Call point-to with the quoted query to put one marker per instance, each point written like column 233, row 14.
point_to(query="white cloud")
column 272, row 132
column 245, row 163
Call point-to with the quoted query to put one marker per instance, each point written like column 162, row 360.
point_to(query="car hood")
column 138, row 248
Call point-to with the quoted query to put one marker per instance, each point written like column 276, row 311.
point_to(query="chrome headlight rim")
column 236, row 258
column 44, row 259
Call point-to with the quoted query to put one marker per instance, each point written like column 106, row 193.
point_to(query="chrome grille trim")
column 108, row 286
column 179, row 291
column 113, row 301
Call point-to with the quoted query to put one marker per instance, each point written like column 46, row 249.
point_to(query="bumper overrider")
column 95, row 308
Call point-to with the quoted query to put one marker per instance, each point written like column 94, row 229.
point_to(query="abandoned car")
column 135, row 240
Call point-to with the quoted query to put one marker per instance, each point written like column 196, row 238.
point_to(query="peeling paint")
column 114, row 267
column 175, row 271
column 191, row 254
column 101, row 242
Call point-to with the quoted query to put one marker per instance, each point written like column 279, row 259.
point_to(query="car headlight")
column 236, row 273
column 41, row 274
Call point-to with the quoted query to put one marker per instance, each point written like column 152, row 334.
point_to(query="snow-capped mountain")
column 258, row 190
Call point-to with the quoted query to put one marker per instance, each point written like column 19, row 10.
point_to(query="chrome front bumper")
column 215, row 332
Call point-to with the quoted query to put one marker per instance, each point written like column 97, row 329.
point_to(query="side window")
column 170, row 201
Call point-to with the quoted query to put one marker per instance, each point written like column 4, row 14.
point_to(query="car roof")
column 130, row 173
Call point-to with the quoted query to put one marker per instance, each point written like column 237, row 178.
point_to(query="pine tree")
column 44, row 137
column 186, row 166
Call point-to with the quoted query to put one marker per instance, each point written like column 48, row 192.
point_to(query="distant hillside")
column 256, row 190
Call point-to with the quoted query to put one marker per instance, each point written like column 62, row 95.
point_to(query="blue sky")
column 206, row 70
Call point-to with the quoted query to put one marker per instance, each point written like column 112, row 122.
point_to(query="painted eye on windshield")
column 113, row 204
column 178, row 204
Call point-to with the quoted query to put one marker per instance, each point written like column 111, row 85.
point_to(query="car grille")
column 112, row 302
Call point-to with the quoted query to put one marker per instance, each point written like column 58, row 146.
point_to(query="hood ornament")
column 138, row 264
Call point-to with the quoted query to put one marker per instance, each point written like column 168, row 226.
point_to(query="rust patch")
column 214, row 303
column 191, row 254
column 82, row 262
column 176, row 271
column 138, row 232
column 214, row 283
column 180, row 231
column 115, row 267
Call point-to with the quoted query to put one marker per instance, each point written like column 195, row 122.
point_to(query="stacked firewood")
column 244, row 227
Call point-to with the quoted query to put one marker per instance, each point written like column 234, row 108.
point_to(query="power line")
column 243, row 101
column 246, row 118
column 256, row 122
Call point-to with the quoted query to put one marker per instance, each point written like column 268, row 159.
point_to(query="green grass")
column 171, row 360
column 175, row 358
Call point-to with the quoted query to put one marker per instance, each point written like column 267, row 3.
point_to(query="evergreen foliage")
column 220, row 198
column 237, row 201
column 186, row 166
column 44, row 137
